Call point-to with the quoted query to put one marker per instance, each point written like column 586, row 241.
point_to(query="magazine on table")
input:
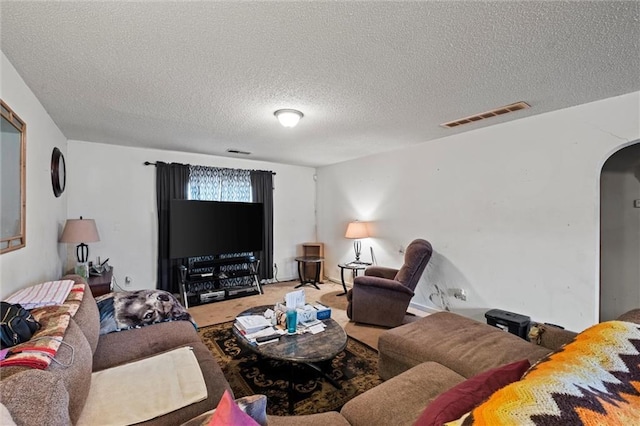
column 251, row 323
column 266, row 335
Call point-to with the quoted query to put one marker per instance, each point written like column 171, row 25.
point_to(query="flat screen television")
column 202, row 228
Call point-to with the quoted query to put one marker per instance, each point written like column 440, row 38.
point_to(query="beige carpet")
column 219, row 312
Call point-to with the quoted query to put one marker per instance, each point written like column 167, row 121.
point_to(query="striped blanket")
column 50, row 293
column 43, row 346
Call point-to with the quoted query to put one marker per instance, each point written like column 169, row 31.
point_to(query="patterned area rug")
column 334, row 301
column 355, row 369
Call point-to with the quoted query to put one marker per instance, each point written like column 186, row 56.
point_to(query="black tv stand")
column 219, row 278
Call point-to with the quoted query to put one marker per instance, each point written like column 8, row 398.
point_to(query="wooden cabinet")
column 313, row 249
column 101, row 284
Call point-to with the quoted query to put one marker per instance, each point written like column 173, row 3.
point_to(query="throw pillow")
column 228, row 413
column 463, row 397
column 254, row 405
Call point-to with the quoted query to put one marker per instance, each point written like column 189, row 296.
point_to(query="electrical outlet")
column 127, row 281
column 636, row 204
column 458, row 293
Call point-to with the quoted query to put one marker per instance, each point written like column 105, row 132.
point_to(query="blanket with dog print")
column 124, row 310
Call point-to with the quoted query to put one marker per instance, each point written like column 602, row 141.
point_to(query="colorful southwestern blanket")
column 594, row 380
column 43, row 346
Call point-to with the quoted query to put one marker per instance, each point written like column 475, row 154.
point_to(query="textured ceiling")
column 369, row 76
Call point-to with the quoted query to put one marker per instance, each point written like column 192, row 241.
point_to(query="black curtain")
column 262, row 192
column 172, row 181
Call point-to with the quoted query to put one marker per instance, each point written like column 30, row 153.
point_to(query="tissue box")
column 322, row 312
column 306, row 314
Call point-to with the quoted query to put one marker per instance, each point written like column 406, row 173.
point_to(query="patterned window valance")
column 219, row 184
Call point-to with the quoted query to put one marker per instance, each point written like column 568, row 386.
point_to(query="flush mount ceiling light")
column 288, row 117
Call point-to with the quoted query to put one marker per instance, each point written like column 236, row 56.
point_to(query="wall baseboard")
column 423, row 308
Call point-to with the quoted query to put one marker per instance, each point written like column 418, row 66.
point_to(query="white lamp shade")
column 80, row 231
column 288, row 117
column 357, row 230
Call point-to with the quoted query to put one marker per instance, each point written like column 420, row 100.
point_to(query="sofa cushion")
column 463, row 397
column 592, row 380
column 144, row 389
column 466, row 346
column 126, row 346
column 400, row 400
column 216, row 385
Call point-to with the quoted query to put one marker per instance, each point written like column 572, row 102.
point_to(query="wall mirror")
column 13, row 165
column 58, row 172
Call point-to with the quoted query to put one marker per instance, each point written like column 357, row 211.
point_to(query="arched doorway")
column 620, row 233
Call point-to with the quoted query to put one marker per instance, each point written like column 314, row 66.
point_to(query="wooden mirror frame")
column 13, row 242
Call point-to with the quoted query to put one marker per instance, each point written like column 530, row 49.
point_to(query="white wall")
column 110, row 184
column 512, row 210
column 42, row 258
column 620, row 233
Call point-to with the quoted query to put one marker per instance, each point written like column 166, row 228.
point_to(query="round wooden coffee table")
column 307, row 349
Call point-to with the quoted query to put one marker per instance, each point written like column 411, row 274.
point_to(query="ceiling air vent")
column 493, row 113
column 235, row 151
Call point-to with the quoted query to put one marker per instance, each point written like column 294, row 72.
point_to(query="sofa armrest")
column 381, row 271
column 550, row 337
column 631, row 316
column 378, row 301
column 75, row 278
column 36, row 397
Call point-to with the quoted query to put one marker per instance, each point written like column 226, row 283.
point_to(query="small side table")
column 355, row 267
column 302, row 261
column 101, row 284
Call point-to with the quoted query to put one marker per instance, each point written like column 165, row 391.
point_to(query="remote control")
column 267, row 338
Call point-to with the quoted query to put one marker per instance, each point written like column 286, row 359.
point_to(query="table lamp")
column 357, row 230
column 80, row 231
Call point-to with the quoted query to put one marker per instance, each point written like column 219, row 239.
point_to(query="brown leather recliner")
column 382, row 295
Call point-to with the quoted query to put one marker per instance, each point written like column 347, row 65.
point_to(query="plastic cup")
column 292, row 321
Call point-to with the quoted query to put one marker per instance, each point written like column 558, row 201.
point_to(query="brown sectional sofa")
column 424, row 358
column 419, row 361
column 57, row 395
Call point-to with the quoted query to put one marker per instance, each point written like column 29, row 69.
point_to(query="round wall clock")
column 58, row 172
